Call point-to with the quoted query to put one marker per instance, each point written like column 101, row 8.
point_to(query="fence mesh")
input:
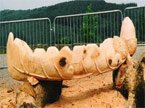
column 36, row 32
column 137, row 14
column 86, row 28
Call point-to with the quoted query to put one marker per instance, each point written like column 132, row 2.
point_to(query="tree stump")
column 129, row 80
column 38, row 95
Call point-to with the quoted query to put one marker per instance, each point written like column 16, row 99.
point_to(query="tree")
column 89, row 26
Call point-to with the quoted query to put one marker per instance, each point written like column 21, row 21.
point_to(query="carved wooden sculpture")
column 53, row 65
column 66, row 64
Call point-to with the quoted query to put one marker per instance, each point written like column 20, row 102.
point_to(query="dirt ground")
column 88, row 92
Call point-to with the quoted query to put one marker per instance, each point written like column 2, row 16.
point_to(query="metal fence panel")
column 137, row 14
column 36, row 32
column 86, row 28
column 71, row 29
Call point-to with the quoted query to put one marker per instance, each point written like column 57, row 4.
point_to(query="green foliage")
column 64, row 40
column 65, row 8
column 90, row 24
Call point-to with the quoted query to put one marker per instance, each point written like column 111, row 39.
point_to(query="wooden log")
column 38, row 95
column 129, row 80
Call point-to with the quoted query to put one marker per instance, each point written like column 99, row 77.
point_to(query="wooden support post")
column 38, row 95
